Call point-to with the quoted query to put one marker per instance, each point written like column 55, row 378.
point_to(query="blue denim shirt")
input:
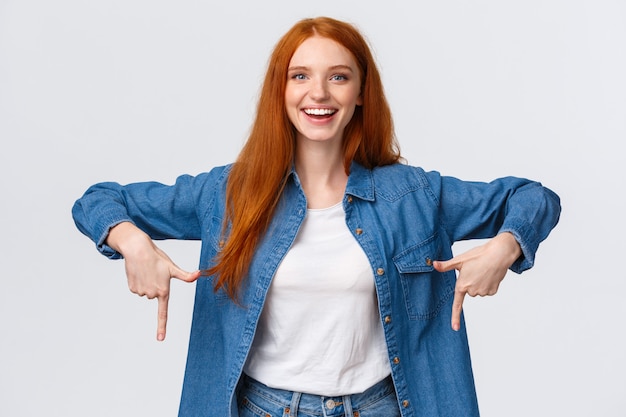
column 403, row 218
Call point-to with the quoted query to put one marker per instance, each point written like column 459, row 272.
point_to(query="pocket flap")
column 418, row 258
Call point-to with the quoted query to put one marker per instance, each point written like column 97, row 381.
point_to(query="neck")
column 322, row 175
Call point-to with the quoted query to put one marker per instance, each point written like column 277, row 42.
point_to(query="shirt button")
column 387, row 319
column 380, row 271
column 405, row 403
column 396, row 360
column 349, row 199
column 429, row 262
column 330, row 404
column 359, row 231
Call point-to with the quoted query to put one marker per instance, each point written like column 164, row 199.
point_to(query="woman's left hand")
column 481, row 270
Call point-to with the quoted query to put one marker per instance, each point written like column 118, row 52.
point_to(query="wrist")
column 124, row 236
column 510, row 245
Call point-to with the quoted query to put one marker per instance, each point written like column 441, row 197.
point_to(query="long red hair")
column 259, row 174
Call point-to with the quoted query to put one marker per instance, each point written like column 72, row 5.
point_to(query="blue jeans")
column 258, row 400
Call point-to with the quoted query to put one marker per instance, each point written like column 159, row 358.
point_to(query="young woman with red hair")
column 327, row 283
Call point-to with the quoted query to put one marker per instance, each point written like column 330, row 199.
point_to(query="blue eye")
column 339, row 77
column 298, row 76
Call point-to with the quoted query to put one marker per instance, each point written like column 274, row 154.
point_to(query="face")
column 323, row 89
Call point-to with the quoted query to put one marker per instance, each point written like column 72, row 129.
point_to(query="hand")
column 481, row 270
column 148, row 269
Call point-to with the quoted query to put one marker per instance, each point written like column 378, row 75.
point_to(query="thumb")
column 445, row 266
column 184, row 275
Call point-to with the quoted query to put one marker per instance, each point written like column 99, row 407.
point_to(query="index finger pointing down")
column 162, row 317
column 457, row 308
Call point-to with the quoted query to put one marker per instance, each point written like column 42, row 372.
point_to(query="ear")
column 359, row 100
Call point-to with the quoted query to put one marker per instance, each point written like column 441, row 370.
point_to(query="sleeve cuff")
column 104, row 227
column 528, row 241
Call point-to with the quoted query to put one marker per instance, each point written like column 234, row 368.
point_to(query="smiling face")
column 323, row 89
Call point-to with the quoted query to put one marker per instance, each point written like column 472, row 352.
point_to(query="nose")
column 319, row 90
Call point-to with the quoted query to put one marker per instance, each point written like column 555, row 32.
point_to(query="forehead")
column 318, row 50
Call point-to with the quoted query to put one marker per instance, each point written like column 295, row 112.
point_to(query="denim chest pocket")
column 425, row 290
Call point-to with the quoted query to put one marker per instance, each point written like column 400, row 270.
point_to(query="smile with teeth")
column 320, row 112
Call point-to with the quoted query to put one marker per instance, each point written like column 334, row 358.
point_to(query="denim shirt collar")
column 360, row 182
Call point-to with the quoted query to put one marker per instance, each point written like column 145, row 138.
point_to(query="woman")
column 326, row 284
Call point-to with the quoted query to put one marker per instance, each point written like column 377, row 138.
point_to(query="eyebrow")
column 332, row 68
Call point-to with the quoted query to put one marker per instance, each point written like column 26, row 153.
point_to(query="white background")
column 132, row 90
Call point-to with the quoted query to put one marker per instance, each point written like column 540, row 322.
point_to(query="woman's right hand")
column 148, row 269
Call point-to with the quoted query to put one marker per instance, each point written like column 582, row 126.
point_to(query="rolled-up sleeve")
column 162, row 211
column 477, row 210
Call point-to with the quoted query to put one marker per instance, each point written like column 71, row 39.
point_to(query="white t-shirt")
column 320, row 331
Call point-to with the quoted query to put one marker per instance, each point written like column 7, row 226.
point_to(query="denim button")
column 330, row 404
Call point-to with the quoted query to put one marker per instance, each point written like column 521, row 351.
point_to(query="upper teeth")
column 319, row 112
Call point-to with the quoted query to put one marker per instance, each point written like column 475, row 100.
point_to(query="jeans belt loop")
column 295, row 403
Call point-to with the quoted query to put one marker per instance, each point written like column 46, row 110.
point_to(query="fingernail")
column 160, row 337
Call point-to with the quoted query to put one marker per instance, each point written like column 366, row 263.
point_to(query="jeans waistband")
column 313, row 404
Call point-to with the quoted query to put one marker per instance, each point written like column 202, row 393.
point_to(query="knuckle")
column 138, row 291
column 462, row 286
